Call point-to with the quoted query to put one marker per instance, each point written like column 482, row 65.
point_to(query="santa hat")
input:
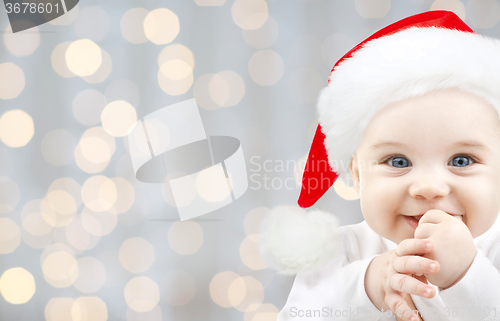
column 413, row 56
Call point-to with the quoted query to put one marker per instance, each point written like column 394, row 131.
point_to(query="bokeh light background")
column 80, row 237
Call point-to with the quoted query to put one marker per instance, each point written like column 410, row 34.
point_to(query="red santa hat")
column 428, row 51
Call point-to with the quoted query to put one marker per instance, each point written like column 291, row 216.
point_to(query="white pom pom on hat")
column 291, row 240
column 424, row 52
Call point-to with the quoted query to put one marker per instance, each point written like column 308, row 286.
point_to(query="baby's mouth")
column 418, row 217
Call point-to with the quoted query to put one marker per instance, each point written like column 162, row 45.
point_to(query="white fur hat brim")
column 292, row 240
column 392, row 68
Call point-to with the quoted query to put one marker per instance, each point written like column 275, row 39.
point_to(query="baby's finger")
column 434, row 216
column 405, row 283
column 415, row 265
column 398, row 305
column 413, row 246
column 424, row 230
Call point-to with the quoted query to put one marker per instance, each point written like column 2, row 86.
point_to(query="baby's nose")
column 429, row 187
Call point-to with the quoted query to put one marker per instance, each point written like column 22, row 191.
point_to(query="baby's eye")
column 461, row 161
column 398, row 162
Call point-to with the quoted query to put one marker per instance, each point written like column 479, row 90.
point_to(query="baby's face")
column 437, row 151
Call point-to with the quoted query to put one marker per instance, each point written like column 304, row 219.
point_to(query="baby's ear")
column 354, row 168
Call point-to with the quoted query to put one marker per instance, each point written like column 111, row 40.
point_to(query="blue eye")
column 399, row 162
column 461, row 161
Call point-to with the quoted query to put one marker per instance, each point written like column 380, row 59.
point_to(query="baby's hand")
column 453, row 246
column 388, row 277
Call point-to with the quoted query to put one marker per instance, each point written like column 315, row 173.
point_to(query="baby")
column 434, row 187
column 414, row 112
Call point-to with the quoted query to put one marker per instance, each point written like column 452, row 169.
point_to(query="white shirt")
column 337, row 292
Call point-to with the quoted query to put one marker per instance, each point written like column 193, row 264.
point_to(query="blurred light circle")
column 60, row 269
column 88, row 105
column 10, row 235
column 53, row 248
column 266, row 67
column 169, row 77
column 65, row 19
column 90, row 308
column 344, row 191
column 253, row 219
column 123, row 89
column 142, row 294
column 33, row 220
column 12, row 80
column 16, row 128
column 210, row 2
column 136, row 255
column 161, row 26
column 249, row 253
column 50, row 215
column 58, row 146
column 219, row 89
column 92, row 23
column 153, row 315
column 372, row 9
column 98, row 223
column 103, row 71
column 83, row 57
column 59, row 309
column 17, row 285
column 176, row 51
column 91, row 276
column 264, row 36
column 176, row 69
column 38, row 222
column 249, row 14
column 117, row 118
column 86, row 165
column 95, row 149
column 456, row 6
column 483, row 14
column 227, row 88
column 101, row 147
column 131, row 25
column 36, row 225
column 210, row 186
column 99, row 193
column 246, row 293
column 304, row 85
column 219, row 288
column 202, row 93
column 185, row 237
column 125, row 195
column 22, row 43
column 9, row 194
column 177, row 287
column 264, row 312
column 64, row 195
column 58, row 59
column 79, row 237
column 38, row 241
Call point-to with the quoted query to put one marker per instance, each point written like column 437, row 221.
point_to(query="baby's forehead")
column 440, row 115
